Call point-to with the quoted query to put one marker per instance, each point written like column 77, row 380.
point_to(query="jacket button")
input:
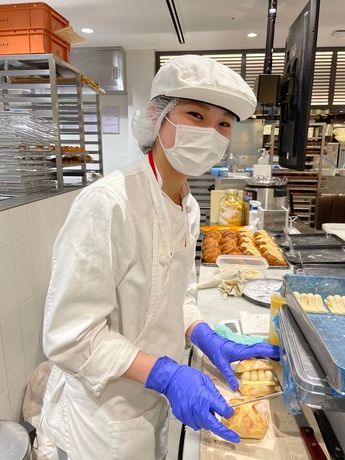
column 162, row 260
column 188, row 209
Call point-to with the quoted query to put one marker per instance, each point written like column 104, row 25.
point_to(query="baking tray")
column 325, row 331
column 316, row 256
column 208, row 264
column 321, row 269
column 310, row 240
column 310, row 382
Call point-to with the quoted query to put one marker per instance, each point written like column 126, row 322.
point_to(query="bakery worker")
column 122, row 297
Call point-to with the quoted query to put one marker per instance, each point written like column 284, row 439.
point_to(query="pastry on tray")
column 336, row 303
column 249, row 420
column 256, row 377
column 243, row 241
column 311, row 303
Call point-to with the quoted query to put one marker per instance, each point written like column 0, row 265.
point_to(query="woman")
column 122, row 297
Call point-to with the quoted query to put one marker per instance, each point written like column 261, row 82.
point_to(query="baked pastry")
column 231, row 250
column 336, row 304
column 210, row 243
column 274, row 258
column 256, row 378
column 230, row 233
column 217, row 234
column 210, row 255
column 311, row 303
column 249, row 420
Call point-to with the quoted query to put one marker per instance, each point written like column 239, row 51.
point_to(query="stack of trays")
column 323, row 323
column 313, row 248
column 309, row 379
column 25, row 143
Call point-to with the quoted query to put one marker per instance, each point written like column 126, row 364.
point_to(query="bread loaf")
column 249, row 420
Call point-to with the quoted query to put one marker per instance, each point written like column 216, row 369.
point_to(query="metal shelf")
column 305, row 185
column 53, row 89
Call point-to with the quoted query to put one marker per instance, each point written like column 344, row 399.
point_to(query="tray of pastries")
column 241, row 242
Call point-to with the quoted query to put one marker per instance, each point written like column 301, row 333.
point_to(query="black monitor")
column 296, row 87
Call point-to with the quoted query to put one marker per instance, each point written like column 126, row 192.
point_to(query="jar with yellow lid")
column 231, row 208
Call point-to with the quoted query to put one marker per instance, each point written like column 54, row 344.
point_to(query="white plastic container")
column 241, row 262
column 251, row 267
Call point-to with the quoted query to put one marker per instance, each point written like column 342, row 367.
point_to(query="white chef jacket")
column 108, row 268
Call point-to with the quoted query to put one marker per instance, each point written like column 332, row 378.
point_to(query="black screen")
column 296, row 87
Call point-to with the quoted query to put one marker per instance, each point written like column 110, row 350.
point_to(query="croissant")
column 227, row 241
column 251, row 251
column 214, row 234
column 210, row 243
column 249, row 420
column 228, row 233
column 231, row 249
column 210, row 255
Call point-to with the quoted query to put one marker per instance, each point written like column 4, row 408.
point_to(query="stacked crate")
column 28, row 28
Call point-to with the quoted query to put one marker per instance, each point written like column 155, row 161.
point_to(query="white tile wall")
column 27, row 235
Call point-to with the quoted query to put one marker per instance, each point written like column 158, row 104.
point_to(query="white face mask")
column 196, row 149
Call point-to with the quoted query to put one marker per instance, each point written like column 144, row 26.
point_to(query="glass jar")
column 231, row 209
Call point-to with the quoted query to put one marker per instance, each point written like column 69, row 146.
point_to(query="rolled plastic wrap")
column 290, row 396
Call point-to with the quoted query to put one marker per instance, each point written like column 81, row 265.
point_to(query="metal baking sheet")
column 324, row 332
column 322, row 269
column 317, row 256
column 310, row 381
column 208, row 264
column 311, row 240
column 260, row 291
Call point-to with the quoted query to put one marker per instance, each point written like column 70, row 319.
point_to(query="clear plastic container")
column 243, row 262
column 324, row 332
column 252, row 267
column 309, row 381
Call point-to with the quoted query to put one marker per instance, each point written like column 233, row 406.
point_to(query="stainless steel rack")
column 57, row 91
column 304, row 186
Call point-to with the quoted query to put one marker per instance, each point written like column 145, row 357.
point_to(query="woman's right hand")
column 192, row 395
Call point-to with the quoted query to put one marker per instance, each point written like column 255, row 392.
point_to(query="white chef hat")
column 191, row 77
column 203, row 79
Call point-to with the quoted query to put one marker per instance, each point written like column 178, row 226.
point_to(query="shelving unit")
column 53, row 89
column 304, row 186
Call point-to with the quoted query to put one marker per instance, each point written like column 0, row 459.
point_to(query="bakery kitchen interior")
column 86, row 88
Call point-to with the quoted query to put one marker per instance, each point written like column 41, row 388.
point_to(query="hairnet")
column 147, row 122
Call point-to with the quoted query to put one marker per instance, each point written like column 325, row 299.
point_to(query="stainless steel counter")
column 13, row 202
column 215, row 309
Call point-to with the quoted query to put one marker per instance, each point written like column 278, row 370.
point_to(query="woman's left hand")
column 222, row 352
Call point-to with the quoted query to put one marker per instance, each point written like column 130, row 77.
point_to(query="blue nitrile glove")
column 192, row 395
column 221, row 352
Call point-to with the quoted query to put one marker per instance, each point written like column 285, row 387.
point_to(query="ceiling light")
column 87, row 30
column 252, row 35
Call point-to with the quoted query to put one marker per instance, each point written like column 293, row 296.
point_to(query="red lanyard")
column 152, row 163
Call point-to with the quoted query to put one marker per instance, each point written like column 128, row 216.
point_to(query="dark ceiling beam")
column 175, row 20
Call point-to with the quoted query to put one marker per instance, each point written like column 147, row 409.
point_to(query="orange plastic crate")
column 31, row 41
column 31, row 16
